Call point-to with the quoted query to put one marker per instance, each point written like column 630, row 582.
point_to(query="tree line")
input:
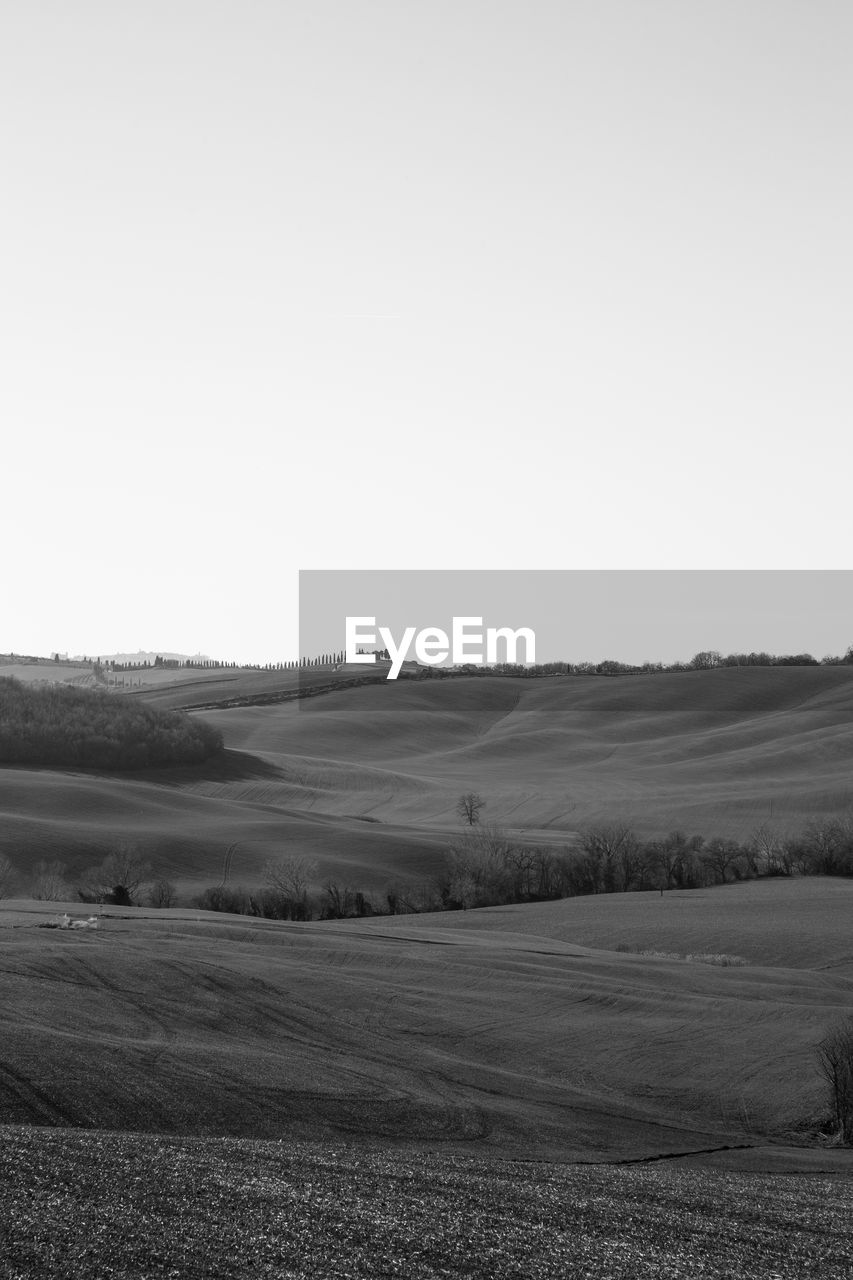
column 485, row 867
column 706, row 660
column 482, row 867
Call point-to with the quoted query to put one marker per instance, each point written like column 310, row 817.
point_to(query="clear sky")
column 419, row 284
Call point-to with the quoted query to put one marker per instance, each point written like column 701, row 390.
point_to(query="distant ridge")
column 148, row 655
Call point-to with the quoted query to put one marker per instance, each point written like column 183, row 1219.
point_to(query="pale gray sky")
column 412, row 285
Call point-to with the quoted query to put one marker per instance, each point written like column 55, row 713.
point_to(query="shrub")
column 835, row 1064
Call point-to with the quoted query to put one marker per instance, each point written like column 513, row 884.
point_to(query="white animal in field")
column 91, row 923
column 66, row 922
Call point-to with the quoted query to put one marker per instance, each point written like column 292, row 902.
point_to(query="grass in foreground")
column 120, row 1205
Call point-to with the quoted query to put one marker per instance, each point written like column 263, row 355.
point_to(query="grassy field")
column 46, row 672
column 783, row 923
column 713, row 751
column 60, row 672
column 365, row 780
column 566, row 1089
column 493, row 1031
column 190, row 689
column 80, row 1204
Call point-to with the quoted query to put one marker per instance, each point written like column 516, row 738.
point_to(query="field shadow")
column 229, row 765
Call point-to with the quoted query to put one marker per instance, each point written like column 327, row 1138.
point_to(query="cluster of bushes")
column 334, row 902
column 63, row 725
column 286, row 895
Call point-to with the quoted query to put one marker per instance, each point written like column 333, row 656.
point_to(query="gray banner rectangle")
column 590, row 616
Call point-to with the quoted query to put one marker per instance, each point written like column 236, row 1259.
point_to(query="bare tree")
column 7, row 876
column 339, row 901
column 612, row 854
column 128, row 867
column 764, row 851
column 162, row 893
column 722, row 856
column 477, row 870
column 469, row 806
column 674, row 859
column 522, row 863
column 835, row 1064
column 825, row 846
column 291, row 878
column 49, row 883
column 292, row 875
column 551, row 872
column 119, row 877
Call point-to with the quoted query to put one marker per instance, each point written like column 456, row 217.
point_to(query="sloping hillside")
column 493, row 1033
column 365, row 779
column 717, row 751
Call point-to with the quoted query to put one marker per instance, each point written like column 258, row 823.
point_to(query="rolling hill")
column 521, row 1031
column 365, row 779
column 615, row 1028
